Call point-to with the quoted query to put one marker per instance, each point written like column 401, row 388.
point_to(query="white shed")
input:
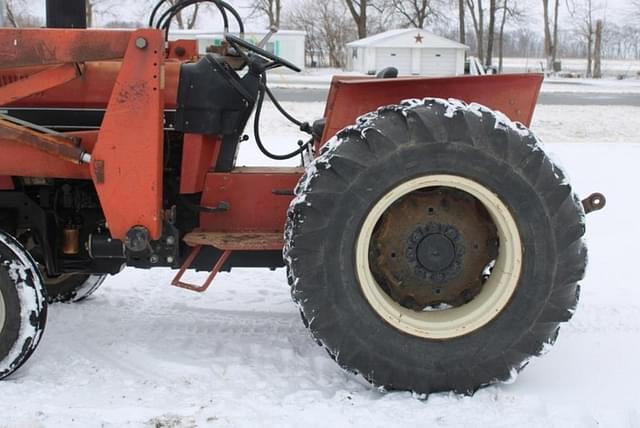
column 412, row 51
column 285, row 43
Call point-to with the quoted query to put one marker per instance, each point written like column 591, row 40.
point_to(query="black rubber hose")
column 256, row 127
column 304, row 126
column 165, row 19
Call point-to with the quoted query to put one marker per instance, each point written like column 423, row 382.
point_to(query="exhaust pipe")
column 66, row 14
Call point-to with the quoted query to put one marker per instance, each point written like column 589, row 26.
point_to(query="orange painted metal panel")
column 126, row 162
column 92, row 89
column 39, row 82
column 258, row 199
column 513, row 94
column 46, row 46
column 198, row 155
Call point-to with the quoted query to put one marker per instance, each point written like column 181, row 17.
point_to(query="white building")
column 285, row 43
column 412, row 51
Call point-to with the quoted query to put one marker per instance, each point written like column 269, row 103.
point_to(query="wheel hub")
column 448, row 239
column 436, row 251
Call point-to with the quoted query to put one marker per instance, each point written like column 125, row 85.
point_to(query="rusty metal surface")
column 177, row 281
column 452, row 215
column 127, row 158
column 236, row 241
column 594, row 202
column 39, row 82
column 515, row 95
column 42, row 164
column 46, row 46
column 58, row 146
column 71, row 241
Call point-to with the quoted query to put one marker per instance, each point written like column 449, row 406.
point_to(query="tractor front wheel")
column 23, row 306
column 71, row 288
column 435, row 247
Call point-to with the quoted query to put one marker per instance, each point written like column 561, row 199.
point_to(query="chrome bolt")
column 171, row 240
column 141, row 43
column 170, row 260
column 154, row 259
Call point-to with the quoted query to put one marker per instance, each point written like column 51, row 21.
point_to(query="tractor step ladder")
column 228, row 243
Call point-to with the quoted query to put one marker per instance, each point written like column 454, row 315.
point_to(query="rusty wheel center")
column 433, row 247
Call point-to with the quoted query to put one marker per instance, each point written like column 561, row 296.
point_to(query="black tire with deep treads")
column 25, row 305
column 389, row 147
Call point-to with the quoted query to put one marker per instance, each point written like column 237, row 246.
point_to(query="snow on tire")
column 434, row 246
column 23, row 306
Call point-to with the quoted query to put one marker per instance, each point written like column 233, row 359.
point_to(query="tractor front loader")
column 429, row 241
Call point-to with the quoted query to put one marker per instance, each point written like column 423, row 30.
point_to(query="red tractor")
column 429, row 241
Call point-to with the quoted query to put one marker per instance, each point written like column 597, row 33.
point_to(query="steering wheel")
column 276, row 61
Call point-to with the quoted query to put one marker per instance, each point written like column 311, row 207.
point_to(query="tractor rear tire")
column 371, row 272
column 23, row 305
column 71, row 288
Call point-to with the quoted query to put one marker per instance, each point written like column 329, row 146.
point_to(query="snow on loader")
column 430, row 243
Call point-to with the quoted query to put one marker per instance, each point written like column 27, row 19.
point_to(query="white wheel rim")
column 454, row 322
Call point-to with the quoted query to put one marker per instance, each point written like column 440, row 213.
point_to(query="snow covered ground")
column 143, row 354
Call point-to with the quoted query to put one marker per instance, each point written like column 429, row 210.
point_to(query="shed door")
column 399, row 58
column 438, row 62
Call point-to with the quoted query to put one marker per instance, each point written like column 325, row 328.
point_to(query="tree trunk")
column 478, row 26
column 276, row 21
column 590, row 53
column 461, row 24
column 597, row 66
column 501, row 39
column 359, row 17
column 3, row 10
column 89, row 14
column 491, row 32
column 11, row 17
column 554, row 48
column 548, row 42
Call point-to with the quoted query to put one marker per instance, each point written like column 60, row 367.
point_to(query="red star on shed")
column 419, row 38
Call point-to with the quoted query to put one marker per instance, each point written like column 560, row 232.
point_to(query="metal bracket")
column 177, row 281
column 595, row 202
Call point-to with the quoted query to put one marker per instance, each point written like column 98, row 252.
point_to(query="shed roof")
column 407, row 37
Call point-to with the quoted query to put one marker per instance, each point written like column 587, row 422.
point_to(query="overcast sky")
column 616, row 11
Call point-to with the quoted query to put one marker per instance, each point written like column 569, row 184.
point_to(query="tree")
column 462, row 29
column 17, row 15
column 328, row 29
column 511, row 9
column 491, row 32
column 597, row 51
column 272, row 9
column 583, row 11
column 417, row 13
column 477, row 17
column 550, row 38
column 358, row 10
